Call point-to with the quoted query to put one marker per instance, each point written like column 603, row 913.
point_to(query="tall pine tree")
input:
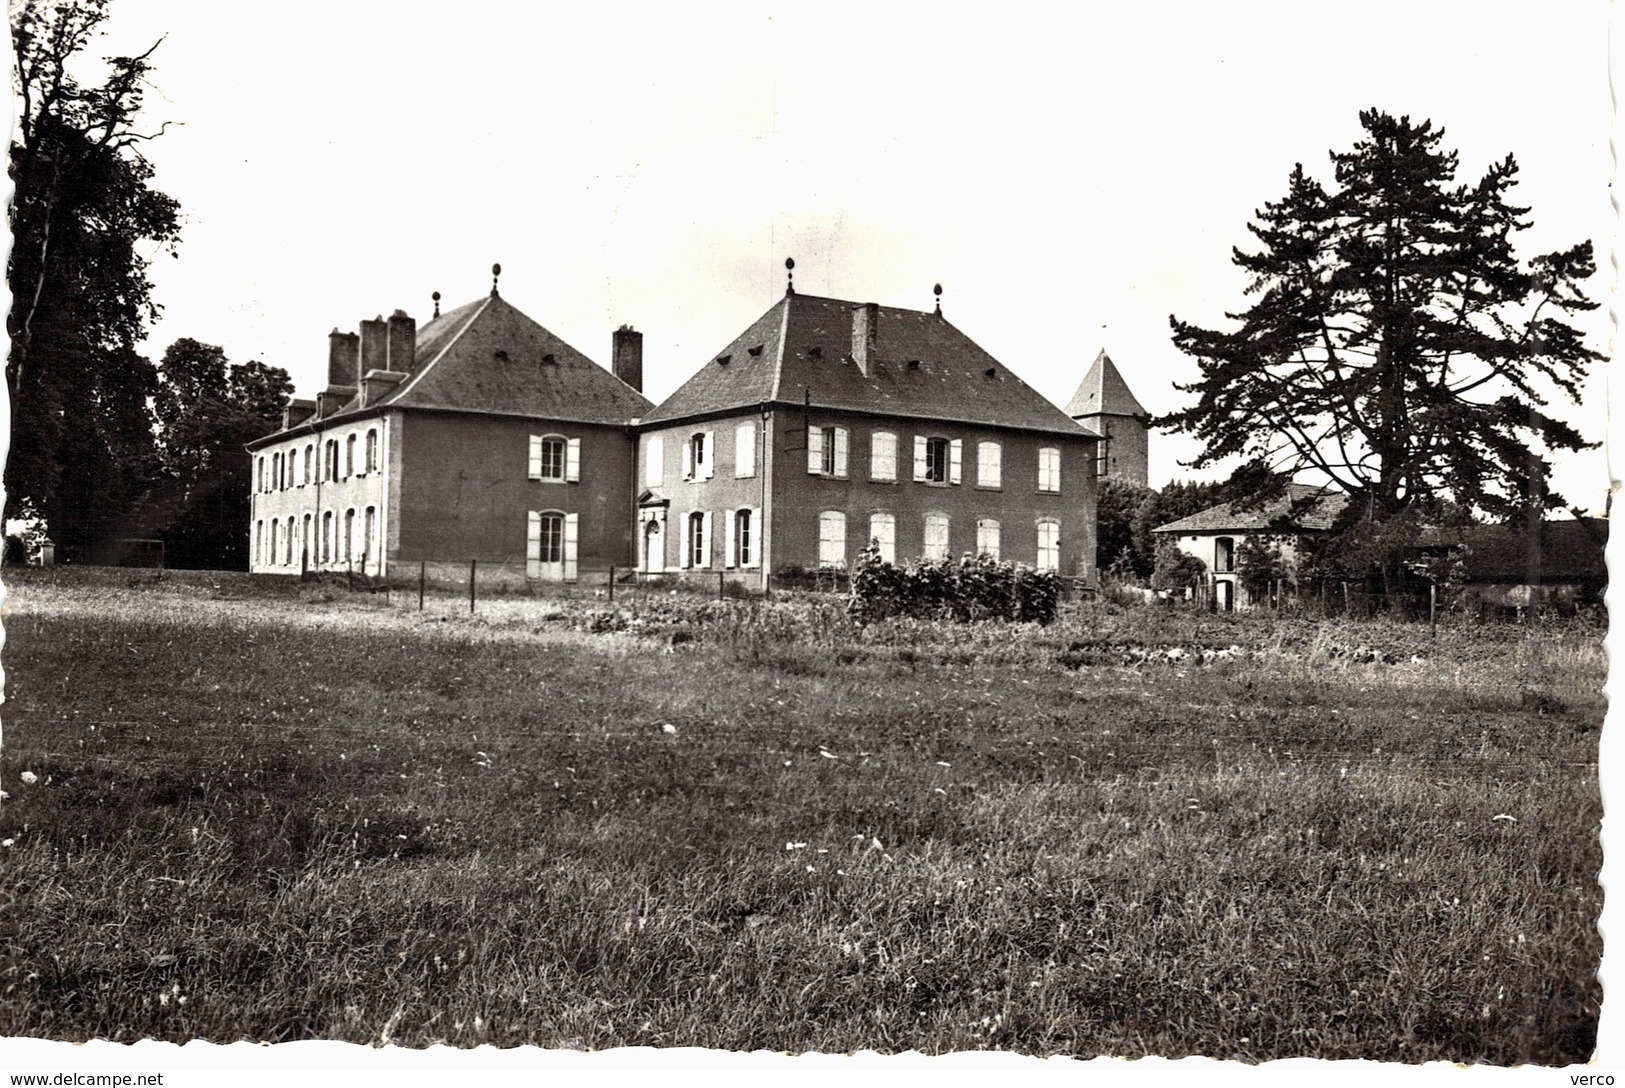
column 1397, row 344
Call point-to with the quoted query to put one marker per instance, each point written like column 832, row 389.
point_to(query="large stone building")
column 481, row 437
column 825, row 424
column 830, row 423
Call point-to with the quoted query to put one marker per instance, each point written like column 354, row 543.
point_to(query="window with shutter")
column 1049, row 469
column 936, row 536
column 922, row 458
column 832, row 539
column 882, row 456
column 572, row 461
column 1049, row 544
column 883, row 531
column 745, row 450
column 956, row 455
column 987, row 538
column 815, row 451
column 937, row 460
column 988, row 456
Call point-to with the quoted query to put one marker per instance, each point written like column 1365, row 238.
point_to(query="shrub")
column 980, row 588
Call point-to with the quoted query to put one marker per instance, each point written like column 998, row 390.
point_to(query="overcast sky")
column 1072, row 178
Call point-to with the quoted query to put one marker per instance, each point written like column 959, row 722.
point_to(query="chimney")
column 343, row 358
column 374, row 348
column 865, row 323
column 403, row 342
column 627, row 356
column 297, row 412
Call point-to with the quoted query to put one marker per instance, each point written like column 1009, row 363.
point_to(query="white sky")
column 1071, row 177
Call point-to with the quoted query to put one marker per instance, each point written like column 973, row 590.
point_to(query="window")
column 987, row 538
column 1224, row 555
column 882, row 456
column 936, row 536
column 259, row 469
column 883, row 531
column 832, row 539
column 287, row 468
column 292, row 522
column 745, row 450
column 372, row 449
column 274, row 524
column 333, row 459
column 1049, row 544
column 697, row 539
column 276, row 472
column 305, row 554
column 550, row 546
column 327, row 537
column 259, row 542
column 654, row 462
column 349, row 535
column 826, row 451
column 309, row 452
column 697, row 456
column 1049, row 469
column 743, row 541
column 554, row 457
column 349, row 457
column 368, row 532
column 937, row 460
column 987, row 464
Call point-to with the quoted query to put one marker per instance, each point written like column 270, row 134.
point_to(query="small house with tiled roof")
column 1285, row 521
column 1105, row 405
column 829, row 423
column 480, row 437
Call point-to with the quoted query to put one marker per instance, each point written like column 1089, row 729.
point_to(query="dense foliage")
column 1397, row 344
column 980, row 588
column 83, row 218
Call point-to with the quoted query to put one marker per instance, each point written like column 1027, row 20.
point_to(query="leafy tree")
column 207, row 410
column 1397, row 344
column 1176, row 569
column 82, row 218
column 1260, row 565
column 1116, row 503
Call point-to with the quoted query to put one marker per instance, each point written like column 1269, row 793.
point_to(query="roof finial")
column 436, row 297
column 936, row 289
column 496, row 270
column 790, row 275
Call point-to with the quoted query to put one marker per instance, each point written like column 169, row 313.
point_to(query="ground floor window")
column 550, row 546
column 1049, row 544
column 936, row 536
column 987, row 538
column 832, row 539
column 744, row 538
column 883, row 531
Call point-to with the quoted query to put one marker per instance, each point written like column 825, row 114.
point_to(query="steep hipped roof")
column 1104, row 392
column 1315, row 507
column 488, row 357
column 919, row 366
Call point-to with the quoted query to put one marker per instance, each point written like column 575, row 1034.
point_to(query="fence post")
column 423, row 567
column 472, row 563
column 612, row 583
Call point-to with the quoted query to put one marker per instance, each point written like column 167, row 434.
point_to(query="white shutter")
column 710, row 454
column 728, row 549
column 654, row 468
column 572, row 529
column 572, row 460
column 682, row 542
column 745, row 450
column 533, row 546
column 758, row 533
column 956, row 459
column 815, row 450
column 535, row 457
column 919, row 458
column 840, row 451
column 706, row 546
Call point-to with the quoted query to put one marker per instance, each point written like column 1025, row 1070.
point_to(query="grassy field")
column 240, row 810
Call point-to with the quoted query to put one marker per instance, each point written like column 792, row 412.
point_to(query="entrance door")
column 654, row 548
column 1227, row 599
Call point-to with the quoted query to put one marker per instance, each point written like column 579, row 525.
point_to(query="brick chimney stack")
column 627, row 356
column 865, row 324
column 374, row 348
column 402, row 342
column 343, row 357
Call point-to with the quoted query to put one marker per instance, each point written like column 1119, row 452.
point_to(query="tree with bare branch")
column 85, row 222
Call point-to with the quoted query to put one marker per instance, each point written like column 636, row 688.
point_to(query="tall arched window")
column 699, row 543
column 327, row 537
column 372, row 449
column 368, row 533
column 987, row 538
column 936, row 536
column 349, row 535
column 744, row 538
column 1049, row 544
column 349, row 457
column 310, row 452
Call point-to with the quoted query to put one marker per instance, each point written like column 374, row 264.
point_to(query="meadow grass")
column 275, row 812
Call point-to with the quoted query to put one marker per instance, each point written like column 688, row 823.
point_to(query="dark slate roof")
column 1319, row 505
column 1104, row 392
column 1566, row 550
column 459, row 365
column 949, row 380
